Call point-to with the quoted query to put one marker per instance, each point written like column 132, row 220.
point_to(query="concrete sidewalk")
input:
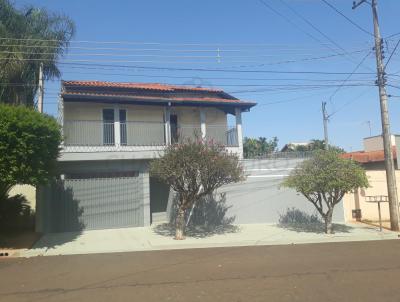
column 147, row 239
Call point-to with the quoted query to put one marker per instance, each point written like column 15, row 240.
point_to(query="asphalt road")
column 359, row 271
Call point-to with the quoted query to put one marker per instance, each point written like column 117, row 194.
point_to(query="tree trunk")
column 180, row 224
column 328, row 222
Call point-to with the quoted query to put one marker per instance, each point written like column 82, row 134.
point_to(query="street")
column 356, row 271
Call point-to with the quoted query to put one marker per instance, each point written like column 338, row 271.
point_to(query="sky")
column 286, row 55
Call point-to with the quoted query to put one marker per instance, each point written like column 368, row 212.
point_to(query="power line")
column 349, row 102
column 154, row 43
column 218, row 49
column 209, row 78
column 183, row 56
column 312, row 25
column 391, row 55
column 205, row 69
column 349, row 76
column 347, row 18
column 294, row 24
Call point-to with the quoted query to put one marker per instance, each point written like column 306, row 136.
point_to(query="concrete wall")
column 369, row 211
column 28, row 191
column 186, row 115
column 375, row 143
column 260, row 199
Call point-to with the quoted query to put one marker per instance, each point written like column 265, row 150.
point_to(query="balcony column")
column 117, row 127
column 238, row 115
column 203, row 123
column 167, row 125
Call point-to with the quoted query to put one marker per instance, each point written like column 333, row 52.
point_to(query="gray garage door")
column 93, row 203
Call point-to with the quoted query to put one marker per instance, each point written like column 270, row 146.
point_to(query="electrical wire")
column 349, row 102
column 349, row 76
column 347, row 18
column 391, row 55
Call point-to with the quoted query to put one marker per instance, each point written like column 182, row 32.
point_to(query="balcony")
column 100, row 136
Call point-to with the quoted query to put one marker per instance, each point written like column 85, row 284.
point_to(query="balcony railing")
column 101, row 133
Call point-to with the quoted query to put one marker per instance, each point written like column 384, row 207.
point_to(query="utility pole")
column 369, row 127
column 41, row 89
column 325, row 118
column 387, row 145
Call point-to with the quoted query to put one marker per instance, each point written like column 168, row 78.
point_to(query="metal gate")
column 93, row 203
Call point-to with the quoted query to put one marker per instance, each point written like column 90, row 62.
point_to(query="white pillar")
column 117, row 127
column 167, row 125
column 238, row 115
column 203, row 123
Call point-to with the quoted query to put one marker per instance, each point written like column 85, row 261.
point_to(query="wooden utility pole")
column 41, row 89
column 325, row 118
column 387, row 144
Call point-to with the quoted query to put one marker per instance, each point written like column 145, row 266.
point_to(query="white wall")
column 375, row 143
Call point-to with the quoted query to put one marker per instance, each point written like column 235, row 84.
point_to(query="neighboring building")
column 372, row 159
column 111, row 132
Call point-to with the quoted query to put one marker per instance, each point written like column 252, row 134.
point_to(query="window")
column 122, row 130
column 108, row 127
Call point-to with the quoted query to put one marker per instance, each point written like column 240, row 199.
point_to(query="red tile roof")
column 148, row 86
column 148, row 92
column 369, row 157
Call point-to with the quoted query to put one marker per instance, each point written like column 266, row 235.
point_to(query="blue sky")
column 252, row 40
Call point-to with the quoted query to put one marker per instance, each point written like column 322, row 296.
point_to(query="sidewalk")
column 147, row 239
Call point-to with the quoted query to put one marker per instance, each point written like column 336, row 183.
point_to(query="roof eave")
column 67, row 97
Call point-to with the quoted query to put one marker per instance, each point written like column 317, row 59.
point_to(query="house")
column 359, row 205
column 111, row 132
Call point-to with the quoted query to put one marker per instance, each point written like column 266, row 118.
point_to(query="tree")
column 255, row 147
column 324, row 179
column 30, row 36
column 195, row 169
column 29, row 147
column 314, row 145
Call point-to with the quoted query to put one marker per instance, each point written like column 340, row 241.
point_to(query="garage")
column 92, row 201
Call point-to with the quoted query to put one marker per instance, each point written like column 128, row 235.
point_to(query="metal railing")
column 220, row 134
column 101, row 133
column 223, row 135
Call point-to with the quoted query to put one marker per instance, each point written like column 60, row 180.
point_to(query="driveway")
column 160, row 237
column 347, row 272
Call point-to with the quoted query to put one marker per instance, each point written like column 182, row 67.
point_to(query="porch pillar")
column 117, row 127
column 238, row 115
column 167, row 125
column 203, row 123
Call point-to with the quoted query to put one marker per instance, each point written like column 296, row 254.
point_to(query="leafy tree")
column 324, row 180
column 29, row 147
column 30, row 36
column 255, row 147
column 314, row 145
column 195, row 169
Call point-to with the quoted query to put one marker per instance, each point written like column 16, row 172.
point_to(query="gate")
column 92, row 203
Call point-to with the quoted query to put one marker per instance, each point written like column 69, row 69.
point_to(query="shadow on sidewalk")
column 296, row 220
column 168, row 230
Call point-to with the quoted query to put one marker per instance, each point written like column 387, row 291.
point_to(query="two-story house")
column 111, row 132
